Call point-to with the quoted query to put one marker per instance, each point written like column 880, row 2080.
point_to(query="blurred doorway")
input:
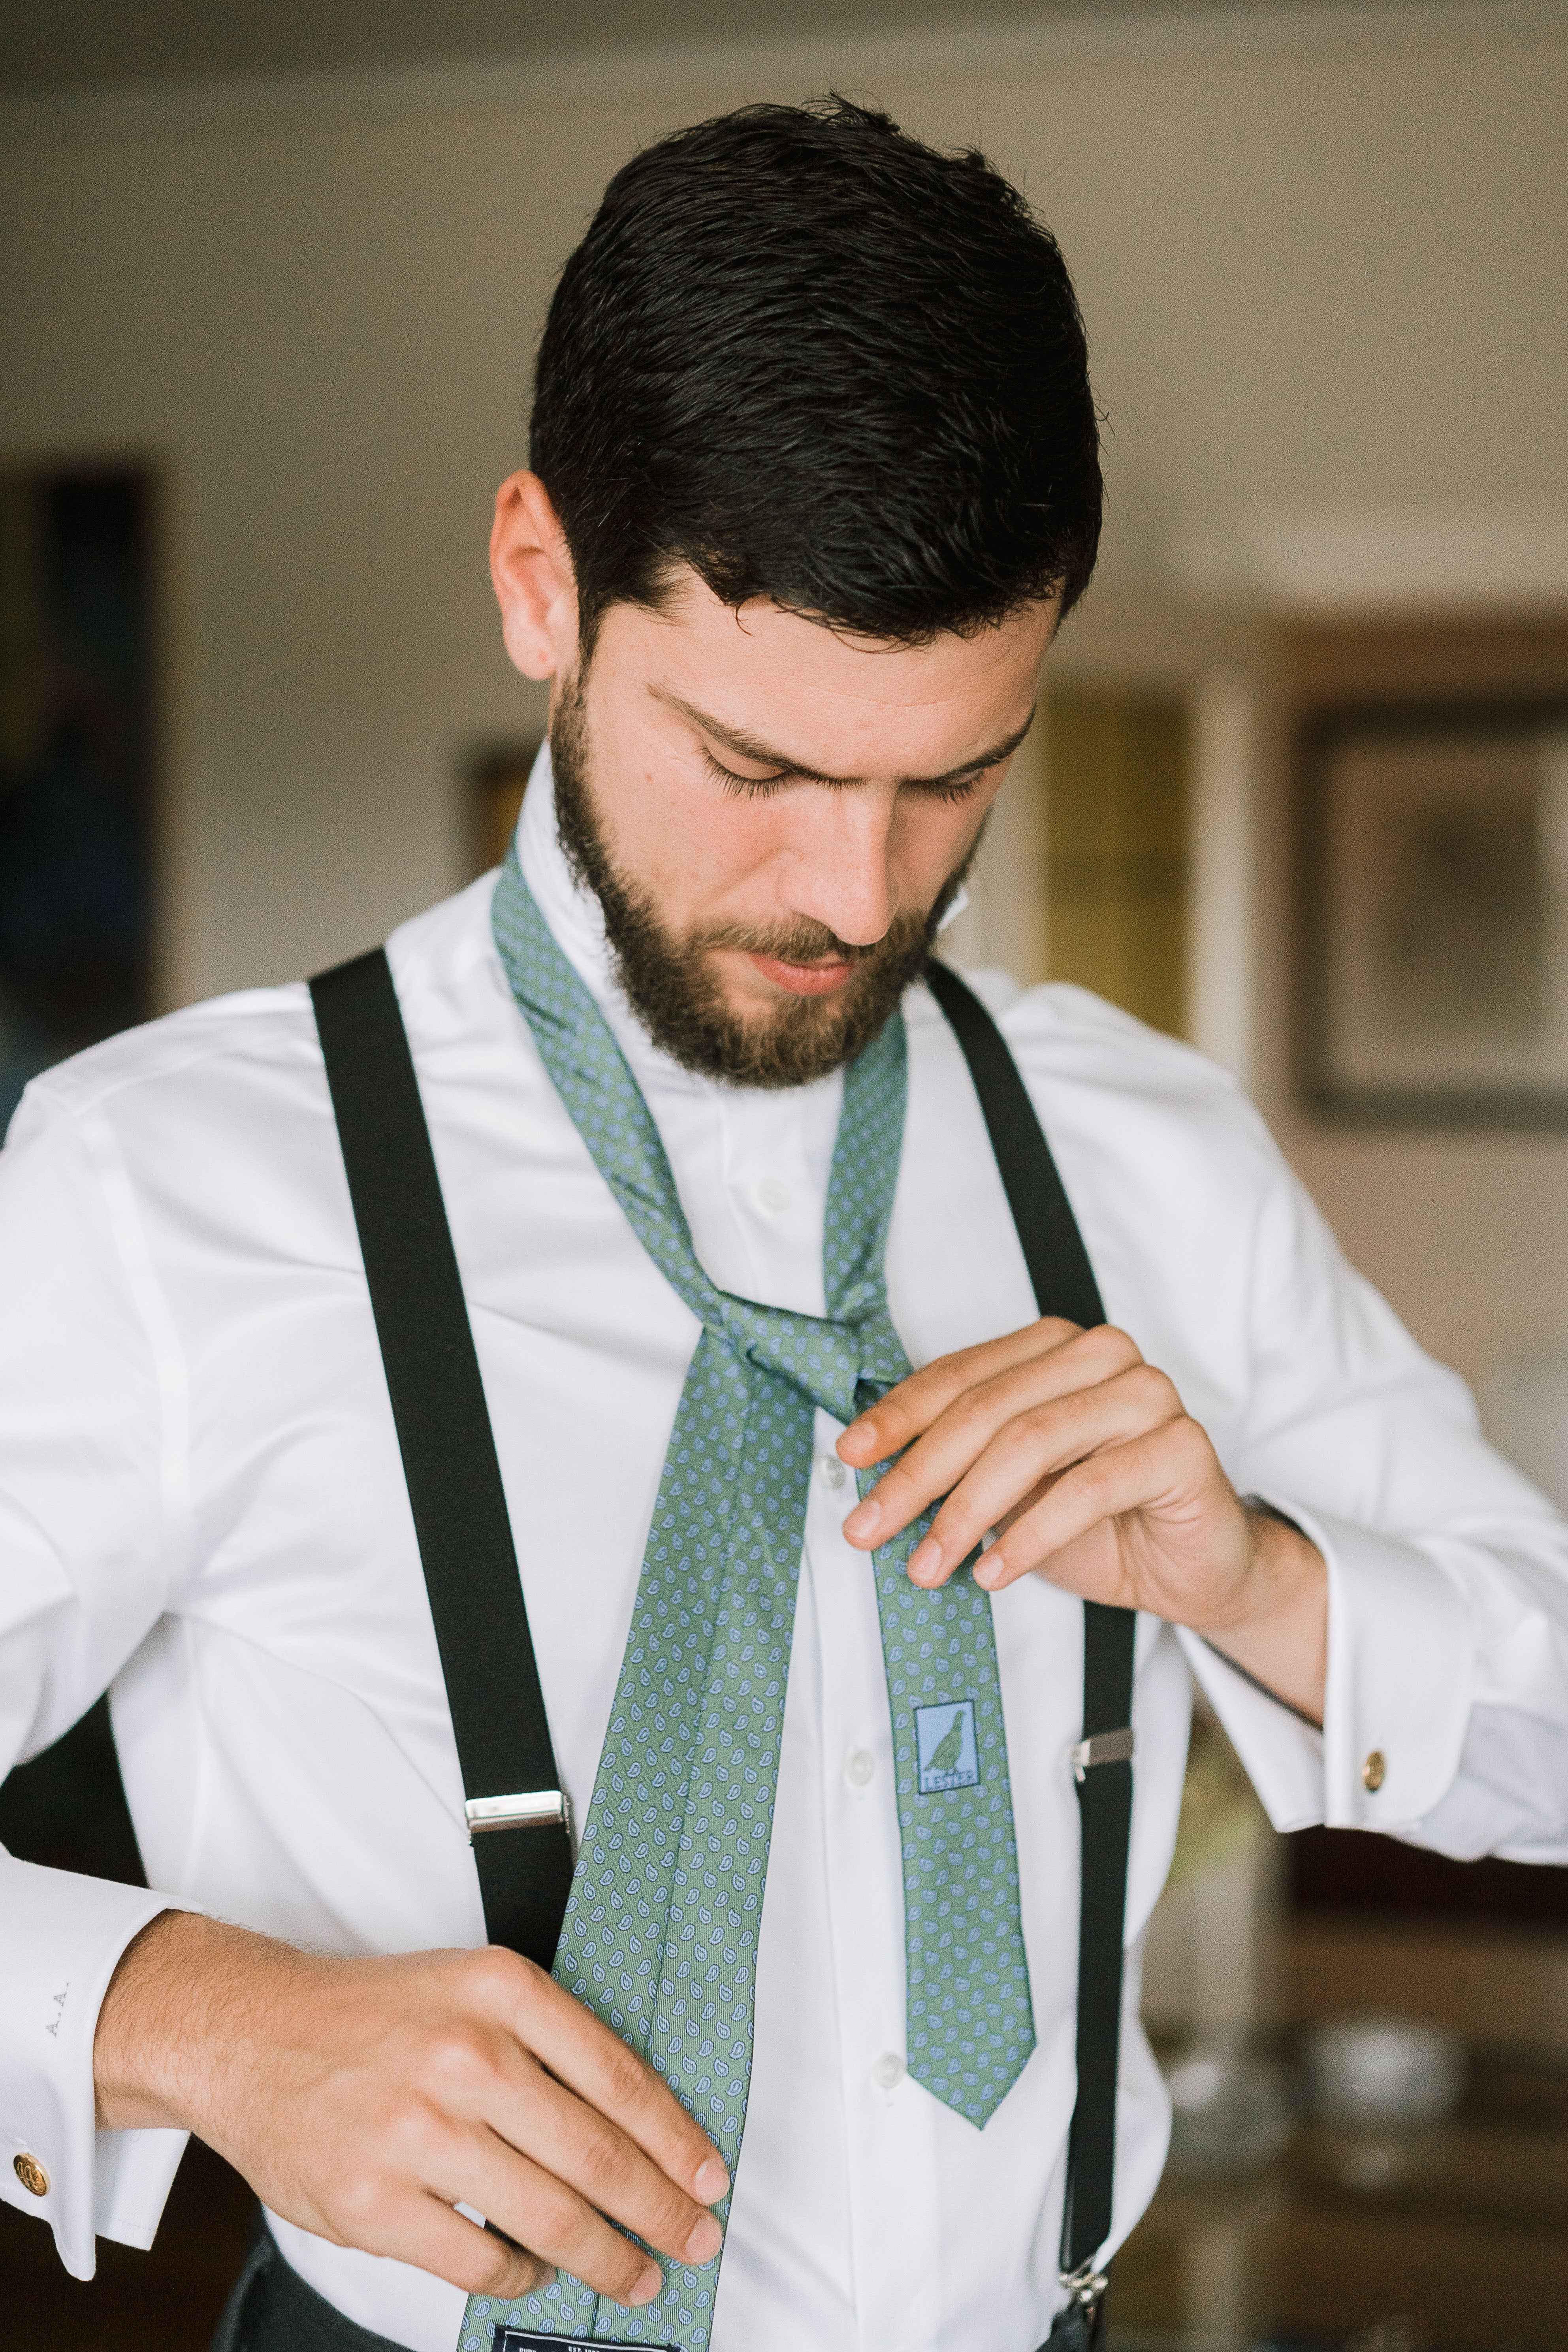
column 75, row 763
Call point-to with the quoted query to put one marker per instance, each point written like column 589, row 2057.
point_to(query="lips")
column 802, row 979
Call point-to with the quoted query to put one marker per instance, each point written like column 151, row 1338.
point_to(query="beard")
column 670, row 982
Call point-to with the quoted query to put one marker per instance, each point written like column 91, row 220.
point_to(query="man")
column 815, row 480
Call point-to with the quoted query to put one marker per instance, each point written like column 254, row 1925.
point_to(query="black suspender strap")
column 510, row 1782
column 1064, row 1285
column 509, row 1778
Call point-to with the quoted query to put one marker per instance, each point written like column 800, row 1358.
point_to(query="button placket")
column 895, row 2210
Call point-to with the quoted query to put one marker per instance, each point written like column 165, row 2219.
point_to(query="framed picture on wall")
column 1433, row 914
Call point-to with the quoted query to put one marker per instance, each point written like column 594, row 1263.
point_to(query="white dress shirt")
column 202, row 1507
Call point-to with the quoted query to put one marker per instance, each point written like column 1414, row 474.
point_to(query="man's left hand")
column 1084, row 1462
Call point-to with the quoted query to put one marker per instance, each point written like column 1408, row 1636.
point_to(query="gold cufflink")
column 1372, row 1771
column 31, row 2174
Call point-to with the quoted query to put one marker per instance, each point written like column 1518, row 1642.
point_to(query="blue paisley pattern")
column 660, row 1936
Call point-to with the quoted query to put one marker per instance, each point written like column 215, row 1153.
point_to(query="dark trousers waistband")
column 273, row 2310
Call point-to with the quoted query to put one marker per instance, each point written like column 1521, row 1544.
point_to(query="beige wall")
column 1321, row 270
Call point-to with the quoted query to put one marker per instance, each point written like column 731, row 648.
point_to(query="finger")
column 935, row 1463
column 423, row 2230
column 1036, row 1448
column 888, row 1425
column 1172, row 1468
column 581, row 2051
column 597, row 2160
column 539, row 2211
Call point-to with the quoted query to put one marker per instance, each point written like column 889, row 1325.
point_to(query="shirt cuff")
column 1400, row 1687
column 61, row 1937
column 1402, row 1670
column 1282, row 1756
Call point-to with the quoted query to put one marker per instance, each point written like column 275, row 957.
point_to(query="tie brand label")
column 945, row 1746
column 523, row 2339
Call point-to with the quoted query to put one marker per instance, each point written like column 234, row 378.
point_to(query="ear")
column 531, row 568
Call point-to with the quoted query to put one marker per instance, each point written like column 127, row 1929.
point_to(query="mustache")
column 805, row 942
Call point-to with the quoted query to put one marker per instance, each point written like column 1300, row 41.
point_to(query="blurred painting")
column 1433, row 938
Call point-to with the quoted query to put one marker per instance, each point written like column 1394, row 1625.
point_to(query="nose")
column 842, row 868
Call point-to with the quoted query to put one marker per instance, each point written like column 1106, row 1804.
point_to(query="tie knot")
column 826, row 1357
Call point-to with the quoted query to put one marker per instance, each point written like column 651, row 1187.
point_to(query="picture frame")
column 1432, row 914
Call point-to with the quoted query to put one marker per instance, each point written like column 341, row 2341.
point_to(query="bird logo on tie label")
column 945, row 1746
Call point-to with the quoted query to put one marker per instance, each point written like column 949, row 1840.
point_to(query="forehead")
column 842, row 703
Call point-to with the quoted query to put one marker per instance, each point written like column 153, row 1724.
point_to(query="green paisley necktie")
column 660, row 1934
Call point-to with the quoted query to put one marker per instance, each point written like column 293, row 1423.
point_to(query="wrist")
column 159, row 2036
column 1276, row 1627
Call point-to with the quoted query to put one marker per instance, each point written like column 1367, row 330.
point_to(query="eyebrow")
column 751, row 747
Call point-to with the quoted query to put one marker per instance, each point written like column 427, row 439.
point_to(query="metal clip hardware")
column 1086, row 2286
column 1104, row 1747
column 537, row 1808
column 1085, row 2289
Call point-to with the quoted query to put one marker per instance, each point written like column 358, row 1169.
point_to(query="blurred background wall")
column 1320, row 253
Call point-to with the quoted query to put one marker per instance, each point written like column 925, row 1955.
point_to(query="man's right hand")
column 365, row 2099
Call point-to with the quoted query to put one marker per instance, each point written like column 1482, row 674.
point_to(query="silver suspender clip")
column 1105, row 1748
column 538, row 1808
column 1085, row 2287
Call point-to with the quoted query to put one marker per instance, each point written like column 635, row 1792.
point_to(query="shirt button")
column 772, row 1196
column 831, row 1472
column 1373, row 1771
column 859, row 1769
column 888, row 2071
column 31, row 2174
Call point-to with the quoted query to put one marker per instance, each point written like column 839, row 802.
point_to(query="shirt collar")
column 571, row 910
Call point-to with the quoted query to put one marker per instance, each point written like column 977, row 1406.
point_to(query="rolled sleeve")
column 61, row 1938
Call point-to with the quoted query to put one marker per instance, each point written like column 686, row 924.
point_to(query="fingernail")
column 547, row 2277
column 863, row 1520
column 704, row 2242
column 711, row 2181
column 647, row 2287
column 987, row 1569
column 925, row 1563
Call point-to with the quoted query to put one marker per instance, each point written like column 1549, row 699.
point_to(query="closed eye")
column 752, row 788
column 956, row 788
column 757, row 788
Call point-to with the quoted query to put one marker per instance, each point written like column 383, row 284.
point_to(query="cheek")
column 932, row 837
column 686, row 840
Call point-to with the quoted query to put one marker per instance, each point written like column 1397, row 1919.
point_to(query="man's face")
column 773, row 815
